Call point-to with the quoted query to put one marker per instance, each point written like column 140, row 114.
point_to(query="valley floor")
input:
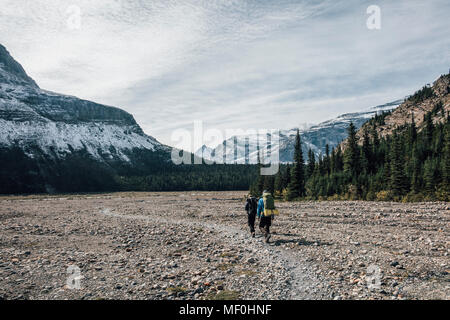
column 195, row 245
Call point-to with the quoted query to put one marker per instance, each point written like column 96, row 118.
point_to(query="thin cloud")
column 232, row 64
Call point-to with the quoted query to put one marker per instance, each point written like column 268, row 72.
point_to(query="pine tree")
column 428, row 176
column 446, row 158
column 260, row 183
column 279, row 182
column 339, row 160
column 429, row 127
column 297, row 185
column 408, row 159
column 321, row 164
column 398, row 178
column 366, row 153
column 352, row 164
column 386, row 169
column 327, row 161
column 287, row 177
column 333, row 161
column 415, row 176
column 311, row 164
column 269, row 183
column 412, row 131
column 377, row 159
column 254, row 190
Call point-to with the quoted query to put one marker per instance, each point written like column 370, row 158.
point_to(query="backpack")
column 269, row 205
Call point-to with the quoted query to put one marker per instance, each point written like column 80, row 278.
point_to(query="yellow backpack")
column 269, row 205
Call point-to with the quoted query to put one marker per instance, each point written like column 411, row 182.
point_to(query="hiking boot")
column 253, row 234
column 263, row 231
column 268, row 238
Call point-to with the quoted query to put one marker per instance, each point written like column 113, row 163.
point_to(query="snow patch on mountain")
column 59, row 124
column 244, row 149
column 99, row 140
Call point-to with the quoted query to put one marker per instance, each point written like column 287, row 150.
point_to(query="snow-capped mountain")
column 61, row 124
column 243, row 149
column 41, row 127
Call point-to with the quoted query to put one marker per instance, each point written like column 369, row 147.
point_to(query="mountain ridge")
column 316, row 137
column 52, row 142
column 61, row 122
column 428, row 99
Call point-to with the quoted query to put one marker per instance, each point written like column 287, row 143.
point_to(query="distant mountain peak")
column 315, row 137
column 11, row 72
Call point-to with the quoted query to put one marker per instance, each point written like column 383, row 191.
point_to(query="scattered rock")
column 146, row 244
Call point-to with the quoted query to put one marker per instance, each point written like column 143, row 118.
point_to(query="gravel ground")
column 195, row 245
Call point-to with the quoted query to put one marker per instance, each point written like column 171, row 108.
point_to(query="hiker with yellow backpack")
column 266, row 212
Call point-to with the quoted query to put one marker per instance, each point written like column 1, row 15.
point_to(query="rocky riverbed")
column 195, row 245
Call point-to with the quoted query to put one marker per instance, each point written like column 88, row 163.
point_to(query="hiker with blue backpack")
column 266, row 212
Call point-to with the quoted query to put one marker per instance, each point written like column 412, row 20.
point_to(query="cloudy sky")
column 232, row 64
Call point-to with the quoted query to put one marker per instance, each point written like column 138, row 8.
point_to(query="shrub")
column 442, row 195
column 384, row 195
column 371, row 196
column 413, row 197
column 334, row 197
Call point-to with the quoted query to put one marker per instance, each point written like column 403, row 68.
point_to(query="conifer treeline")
column 405, row 166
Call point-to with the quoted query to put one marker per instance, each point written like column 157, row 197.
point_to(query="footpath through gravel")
column 196, row 245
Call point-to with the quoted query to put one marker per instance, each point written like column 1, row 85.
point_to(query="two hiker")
column 265, row 210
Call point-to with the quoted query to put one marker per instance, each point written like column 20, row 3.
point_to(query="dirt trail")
column 303, row 284
column 196, row 245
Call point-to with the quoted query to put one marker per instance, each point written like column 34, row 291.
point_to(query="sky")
column 230, row 64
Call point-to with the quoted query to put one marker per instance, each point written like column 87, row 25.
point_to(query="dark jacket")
column 251, row 206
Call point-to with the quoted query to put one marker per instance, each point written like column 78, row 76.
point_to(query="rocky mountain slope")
column 40, row 129
column 434, row 98
column 61, row 124
column 330, row 132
